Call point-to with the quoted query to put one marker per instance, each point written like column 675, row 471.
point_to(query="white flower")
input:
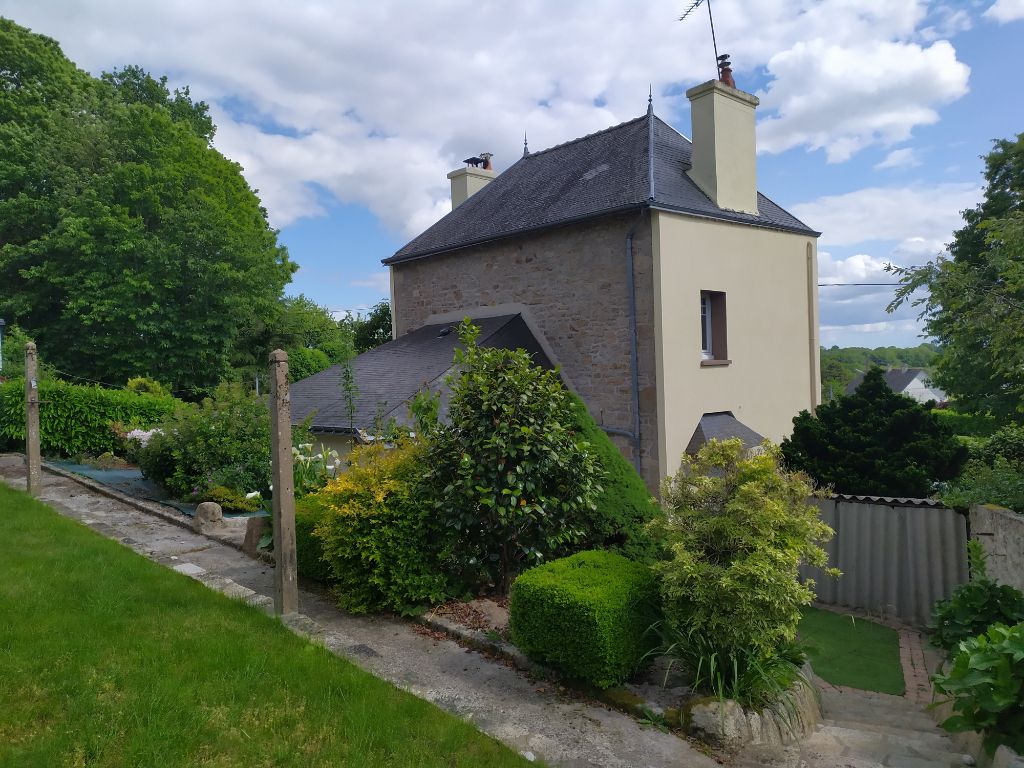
column 306, row 446
column 253, row 495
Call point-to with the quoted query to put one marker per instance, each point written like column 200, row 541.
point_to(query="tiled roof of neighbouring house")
column 898, row 379
column 388, row 376
column 722, row 426
column 594, row 175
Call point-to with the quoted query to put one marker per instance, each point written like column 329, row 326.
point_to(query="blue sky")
column 346, row 116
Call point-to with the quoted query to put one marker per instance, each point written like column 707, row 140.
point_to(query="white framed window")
column 706, row 343
column 713, row 341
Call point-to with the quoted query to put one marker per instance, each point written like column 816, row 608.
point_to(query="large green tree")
column 874, row 442
column 128, row 245
column 975, row 301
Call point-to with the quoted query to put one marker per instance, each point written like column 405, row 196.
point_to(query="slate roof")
column 898, row 379
column 722, row 426
column 389, row 375
column 639, row 163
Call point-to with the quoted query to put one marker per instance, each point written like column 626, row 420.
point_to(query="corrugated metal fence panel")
column 896, row 560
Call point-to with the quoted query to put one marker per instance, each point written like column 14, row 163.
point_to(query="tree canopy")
column 374, row 329
column 874, row 442
column 128, row 245
column 975, row 301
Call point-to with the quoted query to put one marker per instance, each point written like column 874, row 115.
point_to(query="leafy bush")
column 1006, row 443
column 309, row 511
column 1002, row 483
column 588, row 614
column 383, row 543
column 974, row 606
column 508, row 475
column 223, row 441
column 76, row 419
column 967, row 424
column 874, row 442
column 230, row 500
column 146, row 386
column 986, row 685
column 624, row 506
column 304, row 362
column 311, row 471
column 737, row 529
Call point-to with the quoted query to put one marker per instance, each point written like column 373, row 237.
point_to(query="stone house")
column 675, row 297
column 912, row 382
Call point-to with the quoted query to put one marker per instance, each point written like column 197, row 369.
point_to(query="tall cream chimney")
column 724, row 163
column 467, row 181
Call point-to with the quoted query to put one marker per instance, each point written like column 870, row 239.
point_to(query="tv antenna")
column 721, row 62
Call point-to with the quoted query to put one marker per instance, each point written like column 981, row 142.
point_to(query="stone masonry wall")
column 1001, row 533
column 573, row 280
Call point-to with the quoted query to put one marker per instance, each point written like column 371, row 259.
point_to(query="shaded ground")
column 530, row 716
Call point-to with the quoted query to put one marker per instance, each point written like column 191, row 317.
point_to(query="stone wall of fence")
column 898, row 556
column 1001, row 533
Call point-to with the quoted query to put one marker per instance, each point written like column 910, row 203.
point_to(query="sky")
column 347, row 115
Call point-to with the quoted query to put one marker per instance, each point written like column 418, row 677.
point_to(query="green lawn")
column 853, row 652
column 108, row 659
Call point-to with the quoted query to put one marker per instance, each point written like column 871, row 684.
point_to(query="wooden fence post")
column 286, row 587
column 32, row 460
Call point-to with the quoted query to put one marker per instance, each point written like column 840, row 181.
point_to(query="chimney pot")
column 469, row 180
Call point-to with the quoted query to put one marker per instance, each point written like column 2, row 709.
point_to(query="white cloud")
column 373, row 103
column 1005, row 11
column 931, row 213
column 845, row 98
column 899, row 158
column 378, row 281
column 944, row 21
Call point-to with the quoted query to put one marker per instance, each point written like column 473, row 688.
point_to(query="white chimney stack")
column 467, row 181
column 724, row 162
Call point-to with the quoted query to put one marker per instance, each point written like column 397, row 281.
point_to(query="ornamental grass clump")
column 737, row 529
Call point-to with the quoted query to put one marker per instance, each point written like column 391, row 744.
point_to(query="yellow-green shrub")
column 381, row 541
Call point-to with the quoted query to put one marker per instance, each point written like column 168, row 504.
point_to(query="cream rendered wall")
column 770, row 282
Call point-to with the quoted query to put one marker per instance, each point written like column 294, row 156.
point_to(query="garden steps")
column 863, row 730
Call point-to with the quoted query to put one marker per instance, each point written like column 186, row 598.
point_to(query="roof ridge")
column 585, row 137
column 669, row 125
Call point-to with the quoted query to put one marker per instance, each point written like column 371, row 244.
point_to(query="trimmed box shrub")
column 587, row 614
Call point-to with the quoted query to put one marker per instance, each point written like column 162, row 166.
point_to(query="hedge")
column 75, row 419
column 588, row 614
column 625, row 505
column 309, row 510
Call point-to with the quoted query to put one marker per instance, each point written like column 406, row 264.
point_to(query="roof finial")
column 650, row 99
column 526, row 147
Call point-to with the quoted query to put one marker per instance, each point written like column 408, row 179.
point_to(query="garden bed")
column 659, row 696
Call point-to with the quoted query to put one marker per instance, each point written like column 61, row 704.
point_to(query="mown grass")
column 853, row 652
column 109, row 659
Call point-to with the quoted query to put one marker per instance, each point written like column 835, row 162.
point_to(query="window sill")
column 714, row 363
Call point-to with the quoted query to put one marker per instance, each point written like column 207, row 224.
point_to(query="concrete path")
column 531, row 717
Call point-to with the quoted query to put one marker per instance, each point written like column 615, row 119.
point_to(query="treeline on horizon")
column 839, row 365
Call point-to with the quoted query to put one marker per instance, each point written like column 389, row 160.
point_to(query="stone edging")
column 720, row 722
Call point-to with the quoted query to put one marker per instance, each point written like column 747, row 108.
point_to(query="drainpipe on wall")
column 633, row 354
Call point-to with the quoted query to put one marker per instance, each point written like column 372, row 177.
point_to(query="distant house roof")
column 898, row 380
column 639, row 163
column 388, row 376
column 722, row 426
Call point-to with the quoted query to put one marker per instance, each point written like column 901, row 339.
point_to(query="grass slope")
column 853, row 652
column 109, row 659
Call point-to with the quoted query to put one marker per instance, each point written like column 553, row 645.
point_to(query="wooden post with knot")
column 33, row 462
column 286, row 584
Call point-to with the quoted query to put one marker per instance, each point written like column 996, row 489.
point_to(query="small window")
column 713, row 345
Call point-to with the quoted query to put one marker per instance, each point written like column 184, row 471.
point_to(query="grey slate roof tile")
column 597, row 174
column 722, row 426
column 389, row 375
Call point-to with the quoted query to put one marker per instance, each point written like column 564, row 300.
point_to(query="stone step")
column 875, row 742
column 896, row 725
